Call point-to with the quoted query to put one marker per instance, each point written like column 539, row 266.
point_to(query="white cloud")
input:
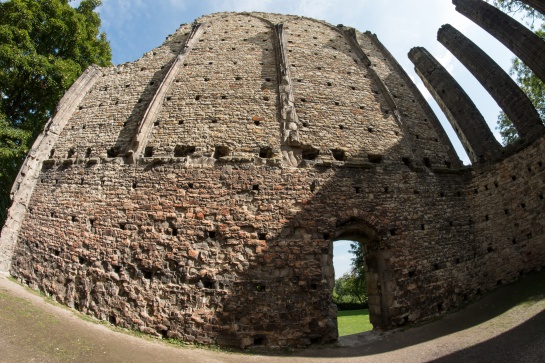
column 447, row 61
column 242, row 5
column 322, row 9
column 177, row 4
column 335, row 11
column 343, row 244
column 120, row 13
column 342, row 258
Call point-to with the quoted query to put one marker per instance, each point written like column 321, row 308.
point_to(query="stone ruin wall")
column 507, row 202
column 212, row 238
column 107, row 118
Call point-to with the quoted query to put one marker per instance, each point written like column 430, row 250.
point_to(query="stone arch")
column 378, row 278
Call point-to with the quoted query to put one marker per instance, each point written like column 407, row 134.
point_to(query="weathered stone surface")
column 151, row 114
column 460, row 110
column 27, row 178
column 276, row 136
column 412, row 104
column 524, row 43
column 516, row 105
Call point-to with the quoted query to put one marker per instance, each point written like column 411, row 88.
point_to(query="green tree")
column 352, row 286
column 525, row 78
column 348, row 290
column 358, row 269
column 44, row 46
column 515, row 6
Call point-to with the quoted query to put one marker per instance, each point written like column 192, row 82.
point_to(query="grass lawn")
column 353, row 322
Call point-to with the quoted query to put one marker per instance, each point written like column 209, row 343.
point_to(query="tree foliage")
column 358, row 269
column 352, row 286
column 44, row 46
column 347, row 290
column 515, row 6
column 525, row 78
column 13, row 148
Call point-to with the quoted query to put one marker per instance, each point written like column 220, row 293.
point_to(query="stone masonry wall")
column 222, row 99
column 507, row 202
column 431, row 146
column 225, row 95
column 211, row 236
column 108, row 117
column 235, row 253
column 338, row 104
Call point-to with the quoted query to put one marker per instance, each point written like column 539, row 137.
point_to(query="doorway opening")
column 372, row 264
column 350, row 288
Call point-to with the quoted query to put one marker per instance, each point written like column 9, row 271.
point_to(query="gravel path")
column 507, row 325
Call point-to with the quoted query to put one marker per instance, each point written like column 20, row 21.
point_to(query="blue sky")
column 136, row 26
column 342, row 258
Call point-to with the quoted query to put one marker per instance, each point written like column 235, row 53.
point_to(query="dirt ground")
column 507, row 325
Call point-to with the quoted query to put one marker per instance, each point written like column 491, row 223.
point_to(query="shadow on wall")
column 405, row 221
column 524, row 343
column 282, row 294
column 132, row 123
column 415, row 221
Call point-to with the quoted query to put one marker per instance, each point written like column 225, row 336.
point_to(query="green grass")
column 353, row 322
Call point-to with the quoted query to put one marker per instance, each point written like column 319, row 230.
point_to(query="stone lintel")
column 462, row 113
column 516, row 105
column 516, row 37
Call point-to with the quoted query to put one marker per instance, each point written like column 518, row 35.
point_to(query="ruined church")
column 196, row 193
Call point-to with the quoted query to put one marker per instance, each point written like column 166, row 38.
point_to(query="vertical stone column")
column 288, row 113
column 516, row 105
column 30, row 171
column 515, row 36
column 539, row 5
column 462, row 113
